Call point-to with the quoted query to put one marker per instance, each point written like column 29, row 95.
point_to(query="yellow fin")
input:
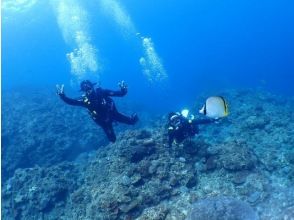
column 226, row 109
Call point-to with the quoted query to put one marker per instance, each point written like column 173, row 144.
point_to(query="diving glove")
column 123, row 86
column 60, row 89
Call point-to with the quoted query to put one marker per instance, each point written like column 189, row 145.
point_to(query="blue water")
column 172, row 54
column 202, row 46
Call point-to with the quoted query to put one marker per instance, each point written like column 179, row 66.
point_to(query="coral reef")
column 33, row 192
column 38, row 129
column 221, row 208
column 239, row 168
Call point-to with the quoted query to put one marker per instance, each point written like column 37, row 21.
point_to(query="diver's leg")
column 123, row 118
column 179, row 136
column 108, row 129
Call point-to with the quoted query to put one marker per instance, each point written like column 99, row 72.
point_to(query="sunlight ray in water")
column 73, row 22
column 120, row 16
column 150, row 62
column 17, row 5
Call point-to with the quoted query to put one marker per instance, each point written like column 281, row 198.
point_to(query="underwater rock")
column 254, row 197
column 237, row 156
column 162, row 172
column 291, row 174
column 201, row 145
column 143, row 168
column 271, row 159
column 222, row 207
column 279, row 204
column 39, row 191
column 255, row 189
column 192, row 181
column 136, row 150
column 148, row 143
column 46, row 134
column 210, row 163
column 137, row 180
column 137, row 153
column 143, row 134
column 254, row 122
column 287, row 213
column 191, row 147
column 240, row 177
column 174, row 181
column 154, row 213
column 125, row 180
column 126, row 208
column 153, row 167
column 290, row 157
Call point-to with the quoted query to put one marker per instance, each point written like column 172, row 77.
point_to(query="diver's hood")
column 85, row 84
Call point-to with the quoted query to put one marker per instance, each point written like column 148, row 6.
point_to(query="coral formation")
column 239, row 168
column 221, row 208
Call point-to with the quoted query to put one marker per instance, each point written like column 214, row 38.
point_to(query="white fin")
column 201, row 111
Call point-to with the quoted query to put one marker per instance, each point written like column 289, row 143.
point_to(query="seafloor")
column 56, row 163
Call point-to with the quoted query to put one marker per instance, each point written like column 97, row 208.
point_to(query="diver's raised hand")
column 60, row 89
column 123, row 86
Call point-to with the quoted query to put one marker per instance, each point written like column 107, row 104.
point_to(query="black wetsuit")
column 180, row 128
column 102, row 109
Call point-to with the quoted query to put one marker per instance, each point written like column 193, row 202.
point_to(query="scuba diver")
column 100, row 105
column 183, row 125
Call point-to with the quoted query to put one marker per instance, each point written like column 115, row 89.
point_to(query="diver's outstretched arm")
column 118, row 93
column 204, row 121
column 75, row 102
column 122, row 92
